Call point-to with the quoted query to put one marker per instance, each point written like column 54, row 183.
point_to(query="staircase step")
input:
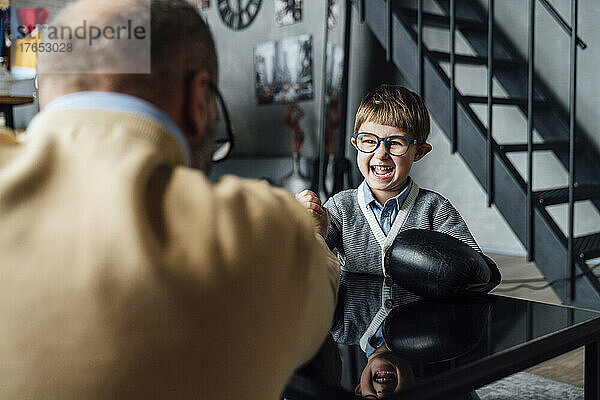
column 473, row 60
column 557, row 145
column 443, row 21
column 588, row 246
column 510, row 101
column 561, row 195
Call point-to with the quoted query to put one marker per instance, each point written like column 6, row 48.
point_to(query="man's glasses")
column 223, row 145
column 394, row 145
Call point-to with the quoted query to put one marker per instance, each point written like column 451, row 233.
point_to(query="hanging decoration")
column 295, row 181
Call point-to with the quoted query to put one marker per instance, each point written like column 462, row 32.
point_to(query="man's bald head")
column 180, row 45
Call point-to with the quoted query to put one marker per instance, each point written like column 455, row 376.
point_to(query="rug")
column 526, row 386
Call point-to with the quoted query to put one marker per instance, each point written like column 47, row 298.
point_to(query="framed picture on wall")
column 283, row 70
column 287, row 12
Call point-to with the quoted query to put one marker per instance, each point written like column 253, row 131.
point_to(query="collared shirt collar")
column 376, row 341
column 120, row 102
column 398, row 199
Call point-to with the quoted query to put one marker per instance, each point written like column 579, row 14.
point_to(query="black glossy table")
column 504, row 336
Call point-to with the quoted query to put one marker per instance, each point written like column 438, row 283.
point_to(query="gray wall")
column 264, row 124
column 367, row 70
column 260, row 129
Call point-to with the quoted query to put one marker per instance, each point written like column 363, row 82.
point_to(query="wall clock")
column 238, row 14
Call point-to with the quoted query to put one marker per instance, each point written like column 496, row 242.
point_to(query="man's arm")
column 266, row 285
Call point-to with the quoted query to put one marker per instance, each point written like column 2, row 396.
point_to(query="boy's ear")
column 422, row 150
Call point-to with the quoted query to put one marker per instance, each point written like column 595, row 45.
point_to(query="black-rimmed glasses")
column 395, row 145
column 223, row 146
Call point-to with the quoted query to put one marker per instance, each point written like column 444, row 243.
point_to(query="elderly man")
column 124, row 273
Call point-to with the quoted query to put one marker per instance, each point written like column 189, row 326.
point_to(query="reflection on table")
column 418, row 344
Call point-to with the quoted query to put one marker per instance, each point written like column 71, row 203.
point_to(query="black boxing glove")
column 437, row 266
column 429, row 332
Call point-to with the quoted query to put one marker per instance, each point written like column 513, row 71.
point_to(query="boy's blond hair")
column 395, row 106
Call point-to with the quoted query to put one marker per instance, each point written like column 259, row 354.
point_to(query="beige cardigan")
column 124, row 274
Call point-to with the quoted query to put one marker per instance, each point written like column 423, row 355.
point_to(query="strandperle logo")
column 82, row 42
column 92, row 33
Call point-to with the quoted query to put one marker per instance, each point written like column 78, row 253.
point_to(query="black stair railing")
column 562, row 22
column 530, row 71
column 420, row 58
column 572, row 134
column 388, row 29
column 574, row 42
column 453, row 105
column 490, row 104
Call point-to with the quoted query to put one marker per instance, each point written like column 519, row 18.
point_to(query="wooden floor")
column 565, row 368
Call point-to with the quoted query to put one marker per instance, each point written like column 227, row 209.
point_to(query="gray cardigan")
column 360, row 243
column 351, row 218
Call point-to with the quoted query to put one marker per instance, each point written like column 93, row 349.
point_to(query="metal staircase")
column 561, row 257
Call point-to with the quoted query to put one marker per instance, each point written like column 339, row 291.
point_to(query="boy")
column 390, row 133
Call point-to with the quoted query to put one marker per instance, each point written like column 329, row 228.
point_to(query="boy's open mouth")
column 382, row 172
column 387, row 378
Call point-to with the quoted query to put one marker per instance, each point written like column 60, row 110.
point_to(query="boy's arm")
column 449, row 221
column 334, row 233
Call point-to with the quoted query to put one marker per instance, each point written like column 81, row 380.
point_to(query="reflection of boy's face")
column 386, row 174
column 384, row 375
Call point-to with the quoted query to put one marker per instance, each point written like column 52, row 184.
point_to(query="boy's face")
column 386, row 174
column 384, row 375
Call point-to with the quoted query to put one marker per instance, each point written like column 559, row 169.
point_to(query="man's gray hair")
column 180, row 44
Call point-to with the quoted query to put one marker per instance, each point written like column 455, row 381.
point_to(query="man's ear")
column 422, row 150
column 197, row 110
column 357, row 390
